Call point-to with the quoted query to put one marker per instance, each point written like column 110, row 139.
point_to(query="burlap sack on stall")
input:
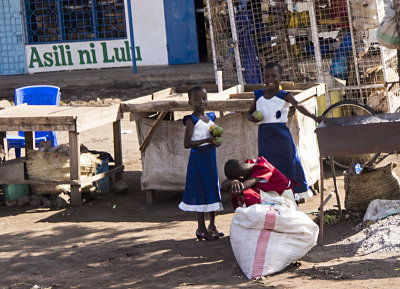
column 165, row 159
column 55, row 167
column 380, row 183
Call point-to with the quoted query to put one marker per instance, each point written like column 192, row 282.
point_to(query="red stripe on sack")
column 262, row 243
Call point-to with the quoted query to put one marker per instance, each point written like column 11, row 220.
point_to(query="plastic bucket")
column 14, row 192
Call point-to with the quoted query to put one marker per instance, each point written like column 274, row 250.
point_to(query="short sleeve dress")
column 273, row 180
column 202, row 193
column 275, row 142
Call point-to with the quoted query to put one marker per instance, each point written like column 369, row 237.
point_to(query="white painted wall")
column 149, row 31
column 150, row 45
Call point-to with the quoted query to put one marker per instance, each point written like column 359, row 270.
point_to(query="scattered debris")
column 97, row 102
column 62, row 200
column 119, row 187
column 331, row 273
column 379, row 237
column 23, row 201
column 330, row 220
column 185, row 284
column 332, row 217
column 47, row 203
column 36, row 201
column 42, row 287
column 11, row 203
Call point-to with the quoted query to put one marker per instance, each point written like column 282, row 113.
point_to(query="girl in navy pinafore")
column 275, row 141
column 202, row 193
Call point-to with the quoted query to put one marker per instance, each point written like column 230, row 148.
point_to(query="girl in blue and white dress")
column 202, row 192
column 275, row 141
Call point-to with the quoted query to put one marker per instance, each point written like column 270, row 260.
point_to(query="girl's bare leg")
column 212, row 228
column 212, row 219
column 201, row 225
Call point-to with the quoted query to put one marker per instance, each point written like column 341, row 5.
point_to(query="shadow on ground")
column 82, row 257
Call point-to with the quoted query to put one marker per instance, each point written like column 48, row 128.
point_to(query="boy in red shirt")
column 245, row 180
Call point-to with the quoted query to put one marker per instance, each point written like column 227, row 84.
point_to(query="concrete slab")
column 119, row 83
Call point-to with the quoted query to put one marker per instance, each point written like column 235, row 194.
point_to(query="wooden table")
column 162, row 139
column 64, row 118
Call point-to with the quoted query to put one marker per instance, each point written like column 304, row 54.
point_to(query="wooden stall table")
column 64, row 118
column 161, row 132
column 344, row 136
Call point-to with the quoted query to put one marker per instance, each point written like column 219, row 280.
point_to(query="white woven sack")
column 380, row 209
column 267, row 238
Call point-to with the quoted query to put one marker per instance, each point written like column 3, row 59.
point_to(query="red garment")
column 275, row 181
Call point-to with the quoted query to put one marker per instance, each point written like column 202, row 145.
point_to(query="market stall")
column 64, row 118
column 161, row 132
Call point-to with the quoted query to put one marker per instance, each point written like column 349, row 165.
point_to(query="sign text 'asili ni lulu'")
column 79, row 55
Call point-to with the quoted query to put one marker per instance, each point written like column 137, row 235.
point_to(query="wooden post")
column 29, row 140
column 321, row 208
column 150, row 197
column 2, row 136
column 75, row 167
column 336, row 189
column 146, row 140
column 3, row 145
column 117, row 147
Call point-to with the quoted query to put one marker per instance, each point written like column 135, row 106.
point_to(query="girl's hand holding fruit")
column 216, row 133
column 257, row 116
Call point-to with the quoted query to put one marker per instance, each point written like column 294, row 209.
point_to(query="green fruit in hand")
column 211, row 128
column 258, row 115
column 218, row 131
column 218, row 140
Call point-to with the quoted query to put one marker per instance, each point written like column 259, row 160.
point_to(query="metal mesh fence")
column 220, row 29
column 74, row 20
column 347, row 56
column 358, row 65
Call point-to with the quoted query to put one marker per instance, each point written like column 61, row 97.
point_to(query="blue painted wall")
column 12, row 48
column 180, row 25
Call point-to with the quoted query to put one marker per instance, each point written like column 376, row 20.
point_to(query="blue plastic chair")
column 34, row 95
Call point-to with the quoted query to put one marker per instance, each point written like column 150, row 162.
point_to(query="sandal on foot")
column 206, row 236
column 214, row 231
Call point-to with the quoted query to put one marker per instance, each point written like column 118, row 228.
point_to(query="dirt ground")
column 118, row 241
